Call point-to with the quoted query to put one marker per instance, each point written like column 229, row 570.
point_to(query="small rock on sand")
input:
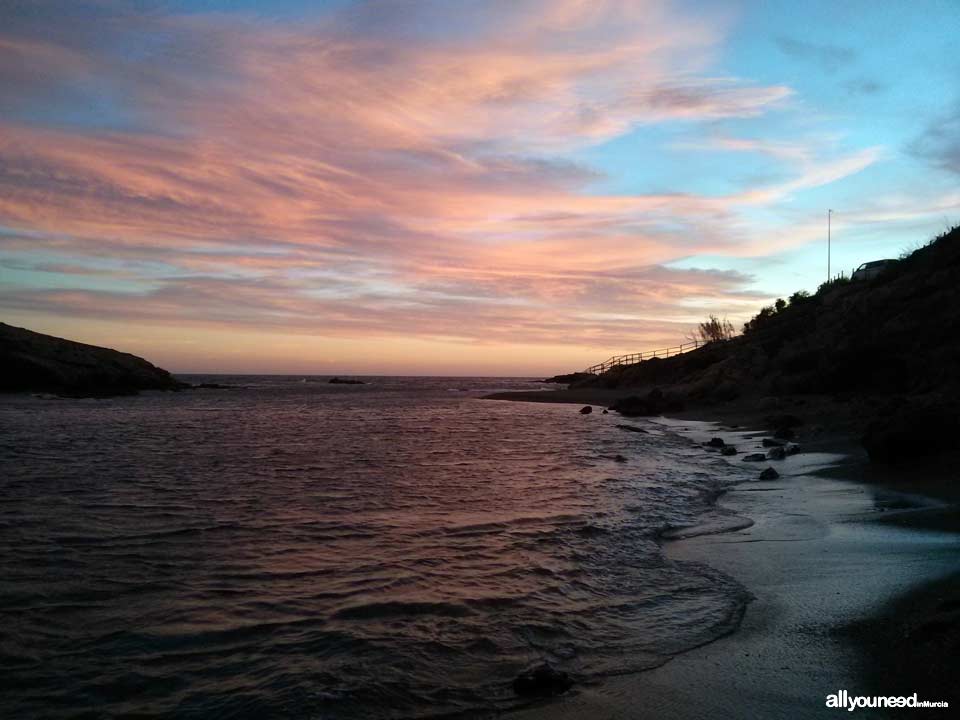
column 776, row 453
column 769, row 474
column 586, row 410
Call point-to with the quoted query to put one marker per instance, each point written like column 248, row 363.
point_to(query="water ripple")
column 304, row 550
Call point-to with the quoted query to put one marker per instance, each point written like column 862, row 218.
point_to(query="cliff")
column 896, row 333
column 33, row 362
column 889, row 345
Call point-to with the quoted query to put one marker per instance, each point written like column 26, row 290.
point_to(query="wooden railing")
column 635, row 358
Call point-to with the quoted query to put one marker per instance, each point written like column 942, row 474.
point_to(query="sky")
column 456, row 187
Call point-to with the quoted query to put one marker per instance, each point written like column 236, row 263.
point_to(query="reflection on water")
column 310, row 550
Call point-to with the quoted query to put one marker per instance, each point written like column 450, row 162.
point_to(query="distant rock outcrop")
column 33, row 362
column 345, row 381
column 569, row 378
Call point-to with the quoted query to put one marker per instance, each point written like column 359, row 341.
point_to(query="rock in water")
column 776, row 453
column 769, row 474
column 542, row 680
column 586, row 410
column 605, row 412
column 728, row 450
column 792, row 448
column 768, row 442
column 33, row 362
column 715, row 442
column 633, row 428
column 345, row 381
column 754, row 457
column 619, row 458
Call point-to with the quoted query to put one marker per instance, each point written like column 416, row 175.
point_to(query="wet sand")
column 821, row 555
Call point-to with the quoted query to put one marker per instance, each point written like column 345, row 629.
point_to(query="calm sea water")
column 296, row 549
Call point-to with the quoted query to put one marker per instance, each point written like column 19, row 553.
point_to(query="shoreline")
column 834, row 564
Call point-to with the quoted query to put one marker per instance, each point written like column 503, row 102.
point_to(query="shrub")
column 713, row 329
column 839, row 280
column 759, row 319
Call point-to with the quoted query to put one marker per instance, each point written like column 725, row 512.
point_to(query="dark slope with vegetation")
column 33, row 362
column 894, row 339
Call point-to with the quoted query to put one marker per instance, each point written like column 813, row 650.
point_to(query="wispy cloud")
column 939, row 143
column 393, row 168
column 829, row 57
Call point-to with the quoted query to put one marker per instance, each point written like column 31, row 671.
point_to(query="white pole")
column 829, row 213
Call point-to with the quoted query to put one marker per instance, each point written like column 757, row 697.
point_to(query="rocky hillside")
column 894, row 338
column 43, row 363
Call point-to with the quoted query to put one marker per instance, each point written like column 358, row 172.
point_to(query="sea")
column 291, row 548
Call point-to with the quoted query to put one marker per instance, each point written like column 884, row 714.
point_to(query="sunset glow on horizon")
column 454, row 188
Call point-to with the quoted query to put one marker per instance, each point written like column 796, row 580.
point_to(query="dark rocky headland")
column 33, row 362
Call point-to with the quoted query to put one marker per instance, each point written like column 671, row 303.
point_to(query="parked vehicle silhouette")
column 870, row 270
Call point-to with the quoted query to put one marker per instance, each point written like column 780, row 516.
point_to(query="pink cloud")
column 364, row 181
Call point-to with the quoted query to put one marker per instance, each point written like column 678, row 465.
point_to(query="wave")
column 396, row 608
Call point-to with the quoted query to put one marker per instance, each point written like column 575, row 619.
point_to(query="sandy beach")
column 831, row 563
